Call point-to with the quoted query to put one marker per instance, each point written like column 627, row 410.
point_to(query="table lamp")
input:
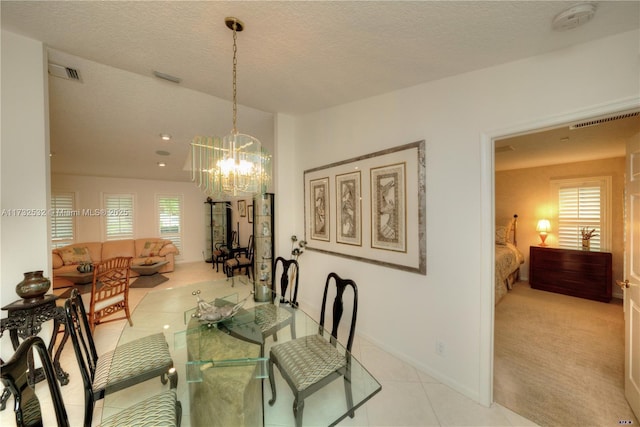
column 544, row 226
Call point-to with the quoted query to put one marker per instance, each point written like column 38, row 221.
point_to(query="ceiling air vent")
column 64, row 72
column 596, row 122
column 505, row 149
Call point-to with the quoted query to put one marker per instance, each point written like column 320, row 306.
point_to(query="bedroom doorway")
column 537, row 148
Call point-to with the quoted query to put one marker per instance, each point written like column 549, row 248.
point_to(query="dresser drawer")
column 585, row 274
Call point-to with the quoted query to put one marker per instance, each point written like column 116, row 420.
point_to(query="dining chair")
column 271, row 317
column 309, row 363
column 220, row 255
column 241, row 260
column 128, row 364
column 110, row 291
column 162, row 409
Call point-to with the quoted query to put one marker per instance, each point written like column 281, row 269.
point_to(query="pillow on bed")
column 501, row 235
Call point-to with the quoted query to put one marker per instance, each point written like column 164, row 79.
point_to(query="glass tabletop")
column 222, row 364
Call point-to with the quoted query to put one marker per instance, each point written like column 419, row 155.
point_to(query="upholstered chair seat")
column 127, row 365
column 162, row 409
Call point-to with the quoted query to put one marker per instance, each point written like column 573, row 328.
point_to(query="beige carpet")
column 559, row 360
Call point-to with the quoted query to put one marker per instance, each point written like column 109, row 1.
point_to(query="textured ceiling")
column 294, row 57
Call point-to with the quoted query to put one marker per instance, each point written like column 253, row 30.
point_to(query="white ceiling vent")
column 596, row 122
column 64, row 72
column 505, row 149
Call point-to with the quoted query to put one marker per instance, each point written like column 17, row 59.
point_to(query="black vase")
column 33, row 286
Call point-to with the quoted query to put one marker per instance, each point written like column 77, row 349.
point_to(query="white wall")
column 24, row 156
column 89, row 191
column 407, row 313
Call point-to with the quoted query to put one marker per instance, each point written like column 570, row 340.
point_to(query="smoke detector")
column 573, row 17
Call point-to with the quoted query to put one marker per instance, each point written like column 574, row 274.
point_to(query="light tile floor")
column 408, row 397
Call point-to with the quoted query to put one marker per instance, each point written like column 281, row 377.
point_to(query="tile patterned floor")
column 408, row 397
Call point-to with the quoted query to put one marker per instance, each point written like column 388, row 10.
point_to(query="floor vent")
column 603, row 120
column 64, row 72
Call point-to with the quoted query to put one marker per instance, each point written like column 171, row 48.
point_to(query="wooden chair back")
column 110, row 290
column 338, row 307
column 289, row 273
column 15, row 376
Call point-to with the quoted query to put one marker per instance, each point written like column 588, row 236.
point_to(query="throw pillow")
column 152, row 248
column 501, row 235
column 75, row 255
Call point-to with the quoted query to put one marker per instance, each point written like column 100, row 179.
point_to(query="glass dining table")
column 222, row 366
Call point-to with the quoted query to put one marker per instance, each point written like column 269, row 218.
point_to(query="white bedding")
column 508, row 259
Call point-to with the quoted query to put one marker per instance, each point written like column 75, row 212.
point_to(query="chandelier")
column 233, row 166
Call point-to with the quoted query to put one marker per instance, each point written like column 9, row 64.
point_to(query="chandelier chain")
column 235, row 64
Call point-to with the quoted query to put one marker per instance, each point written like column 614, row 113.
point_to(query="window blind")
column 62, row 219
column 579, row 208
column 118, row 214
column 169, row 209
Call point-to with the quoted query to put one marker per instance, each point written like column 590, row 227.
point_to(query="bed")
column 508, row 258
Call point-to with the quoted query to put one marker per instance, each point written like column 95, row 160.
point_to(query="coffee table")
column 77, row 278
column 149, row 274
column 148, row 269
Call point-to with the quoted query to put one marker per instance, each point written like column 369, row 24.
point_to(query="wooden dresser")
column 584, row 274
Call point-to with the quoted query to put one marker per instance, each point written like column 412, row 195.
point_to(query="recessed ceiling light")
column 165, row 136
column 162, row 153
column 162, row 164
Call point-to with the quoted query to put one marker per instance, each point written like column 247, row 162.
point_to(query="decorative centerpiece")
column 210, row 314
column 296, row 251
column 586, row 237
column 85, row 268
column 148, row 261
column 33, row 286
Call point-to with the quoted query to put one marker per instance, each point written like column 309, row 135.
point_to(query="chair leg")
column 298, row 408
column 88, row 408
column 272, row 381
column 178, row 413
column 128, row 313
column 348, row 392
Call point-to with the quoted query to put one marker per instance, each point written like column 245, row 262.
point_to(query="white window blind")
column 118, row 216
column 169, row 208
column 62, row 216
column 583, row 204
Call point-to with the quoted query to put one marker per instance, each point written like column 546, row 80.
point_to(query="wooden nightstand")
column 584, row 274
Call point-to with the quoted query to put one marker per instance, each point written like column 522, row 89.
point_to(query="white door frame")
column 487, row 218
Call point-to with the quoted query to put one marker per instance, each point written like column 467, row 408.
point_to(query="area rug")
column 148, row 281
column 82, row 289
column 559, row 360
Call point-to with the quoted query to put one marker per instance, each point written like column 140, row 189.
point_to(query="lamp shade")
column 544, row 226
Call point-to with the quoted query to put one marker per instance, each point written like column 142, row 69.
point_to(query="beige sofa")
column 67, row 258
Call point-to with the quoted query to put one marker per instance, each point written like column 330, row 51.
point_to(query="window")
column 62, row 219
column 169, row 208
column 118, row 216
column 583, row 203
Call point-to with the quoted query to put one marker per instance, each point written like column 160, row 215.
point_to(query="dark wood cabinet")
column 584, row 274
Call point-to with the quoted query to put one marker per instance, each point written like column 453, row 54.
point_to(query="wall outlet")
column 440, row 348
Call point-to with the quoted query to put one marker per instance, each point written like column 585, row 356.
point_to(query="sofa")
column 66, row 259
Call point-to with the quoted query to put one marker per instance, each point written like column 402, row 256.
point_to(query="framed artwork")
column 250, row 213
column 348, row 209
column 242, row 208
column 319, row 202
column 388, row 208
column 380, row 208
